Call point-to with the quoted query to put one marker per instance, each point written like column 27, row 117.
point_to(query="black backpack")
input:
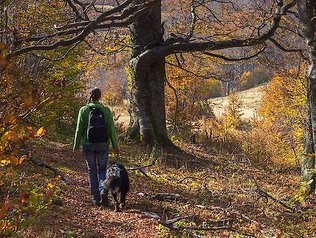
column 97, row 131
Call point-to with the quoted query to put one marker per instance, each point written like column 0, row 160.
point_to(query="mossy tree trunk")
column 307, row 13
column 148, row 120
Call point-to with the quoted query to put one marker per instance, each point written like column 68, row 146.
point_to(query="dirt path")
column 213, row 190
column 77, row 217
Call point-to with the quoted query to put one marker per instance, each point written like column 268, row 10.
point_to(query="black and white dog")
column 117, row 181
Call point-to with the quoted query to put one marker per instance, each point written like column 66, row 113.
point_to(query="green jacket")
column 82, row 124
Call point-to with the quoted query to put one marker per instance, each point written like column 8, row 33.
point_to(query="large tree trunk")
column 147, row 93
column 307, row 12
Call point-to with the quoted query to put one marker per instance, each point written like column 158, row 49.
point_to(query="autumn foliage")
column 282, row 115
column 34, row 102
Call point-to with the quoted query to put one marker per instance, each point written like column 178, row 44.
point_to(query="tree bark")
column 148, row 80
column 307, row 13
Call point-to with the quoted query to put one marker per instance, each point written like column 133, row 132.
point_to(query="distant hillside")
column 251, row 100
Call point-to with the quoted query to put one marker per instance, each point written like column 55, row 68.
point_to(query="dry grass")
column 250, row 98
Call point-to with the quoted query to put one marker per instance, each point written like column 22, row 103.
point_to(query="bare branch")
column 217, row 225
column 83, row 29
column 141, row 168
column 147, row 57
column 61, row 57
column 235, row 59
column 207, row 76
column 277, row 44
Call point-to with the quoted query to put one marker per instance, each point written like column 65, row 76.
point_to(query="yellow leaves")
column 50, row 189
column 40, row 132
column 4, row 162
column 11, row 159
column 10, row 152
column 283, row 111
column 9, row 136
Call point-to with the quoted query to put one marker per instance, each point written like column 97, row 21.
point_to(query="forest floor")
column 217, row 196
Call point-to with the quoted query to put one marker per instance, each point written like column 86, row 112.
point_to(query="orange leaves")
column 9, row 118
column 27, row 102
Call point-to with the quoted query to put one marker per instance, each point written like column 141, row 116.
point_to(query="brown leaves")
column 3, row 54
column 5, row 209
column 28, row 102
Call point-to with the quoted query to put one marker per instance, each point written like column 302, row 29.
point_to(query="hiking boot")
column 104, row 199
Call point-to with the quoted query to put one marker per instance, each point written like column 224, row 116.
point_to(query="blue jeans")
column 96, row 159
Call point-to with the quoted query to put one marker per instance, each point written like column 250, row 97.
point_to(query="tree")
column 150, row 48
column 148, row 65
column 307, row 15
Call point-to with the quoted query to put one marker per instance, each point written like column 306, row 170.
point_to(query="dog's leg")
column 123, row 199
column 116, row 203
column 104, row 198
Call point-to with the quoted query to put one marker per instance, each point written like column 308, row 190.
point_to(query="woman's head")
column 95, row 95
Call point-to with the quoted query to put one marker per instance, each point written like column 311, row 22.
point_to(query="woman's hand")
column 116, row 151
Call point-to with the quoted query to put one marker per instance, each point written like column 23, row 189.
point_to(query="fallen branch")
column 40, row 163
column 267, row 196
column 141, row 168
column 167, row 196
column 163, row 196
column 170, row 224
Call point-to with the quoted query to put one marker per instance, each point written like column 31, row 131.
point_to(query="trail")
column 77, row 217
column 215, row 188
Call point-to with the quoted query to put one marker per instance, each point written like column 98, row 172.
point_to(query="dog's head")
column 114, row 170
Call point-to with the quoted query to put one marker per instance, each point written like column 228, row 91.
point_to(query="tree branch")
column 235, row 59
column 149, row 56
column 277, row 44
column 83, row 29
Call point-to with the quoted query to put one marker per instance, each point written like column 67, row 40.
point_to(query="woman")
column 96, row 152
